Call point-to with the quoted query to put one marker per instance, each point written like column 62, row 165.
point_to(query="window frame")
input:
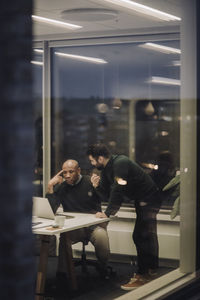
column 186, row 272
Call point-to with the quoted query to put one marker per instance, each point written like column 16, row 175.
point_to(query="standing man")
column 122, row 177
column 76, row 194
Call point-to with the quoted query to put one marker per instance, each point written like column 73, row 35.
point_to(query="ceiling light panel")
column 161, row 48
column 165, row 81
column 143, row 9
column 55, row 22
column 35, row 62
column 82, row 58
column 38, row 50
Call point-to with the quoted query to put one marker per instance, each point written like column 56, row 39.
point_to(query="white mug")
column 60, row 220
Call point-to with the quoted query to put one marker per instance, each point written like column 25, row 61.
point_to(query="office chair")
column 84, row 262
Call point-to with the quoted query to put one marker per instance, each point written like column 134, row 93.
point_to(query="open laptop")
column 42, row 208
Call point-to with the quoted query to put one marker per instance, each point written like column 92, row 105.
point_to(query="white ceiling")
column 123, row 20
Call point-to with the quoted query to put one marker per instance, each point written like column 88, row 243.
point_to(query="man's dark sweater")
column 80, row 197
column 137, row 185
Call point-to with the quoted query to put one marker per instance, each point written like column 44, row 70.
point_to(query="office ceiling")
column 99, row 18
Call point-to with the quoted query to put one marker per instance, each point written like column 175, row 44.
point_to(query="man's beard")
column 100, row 167
column 70, row 182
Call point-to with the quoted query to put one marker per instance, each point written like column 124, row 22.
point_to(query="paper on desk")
column 52, row 228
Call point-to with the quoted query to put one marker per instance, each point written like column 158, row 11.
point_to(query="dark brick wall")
column 17, row 266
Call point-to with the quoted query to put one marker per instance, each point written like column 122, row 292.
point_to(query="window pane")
column 130, row 102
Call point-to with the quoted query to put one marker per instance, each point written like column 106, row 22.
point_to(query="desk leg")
column 69, row 260
column 42, row 268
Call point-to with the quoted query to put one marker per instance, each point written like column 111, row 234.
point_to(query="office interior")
column 130, row 81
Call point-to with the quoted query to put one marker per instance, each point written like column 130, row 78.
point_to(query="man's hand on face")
column 100, row 215
column 95, row 179
column 57, row 179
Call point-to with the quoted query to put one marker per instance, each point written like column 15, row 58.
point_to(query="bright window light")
column 144, row 9
column 164, row 80
column 161, row 48
column 55, row 22
column 39, row 63
column 82, row 58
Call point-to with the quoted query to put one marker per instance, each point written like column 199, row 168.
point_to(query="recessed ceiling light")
column 82, row 58
column 165, row 81
column 161, row 48
column 143, row 9
column 35, row 62
column 55, row 22
column 38, row 50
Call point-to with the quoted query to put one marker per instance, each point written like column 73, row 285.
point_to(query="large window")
column 125, row 95
column 133, row 102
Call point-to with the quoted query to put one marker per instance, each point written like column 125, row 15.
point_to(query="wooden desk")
column 78, row 221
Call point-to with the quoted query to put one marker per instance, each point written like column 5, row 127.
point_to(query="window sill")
column 161, row 286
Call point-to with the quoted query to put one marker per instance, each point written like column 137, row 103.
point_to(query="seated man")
column 76, row 194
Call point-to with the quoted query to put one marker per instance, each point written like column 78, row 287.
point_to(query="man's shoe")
column 135, row 282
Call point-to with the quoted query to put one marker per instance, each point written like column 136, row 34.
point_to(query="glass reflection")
column 117, row 104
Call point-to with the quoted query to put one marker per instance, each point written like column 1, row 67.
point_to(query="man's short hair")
column 97, row 150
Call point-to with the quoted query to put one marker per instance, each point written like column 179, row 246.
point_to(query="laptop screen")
column 42, row 208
